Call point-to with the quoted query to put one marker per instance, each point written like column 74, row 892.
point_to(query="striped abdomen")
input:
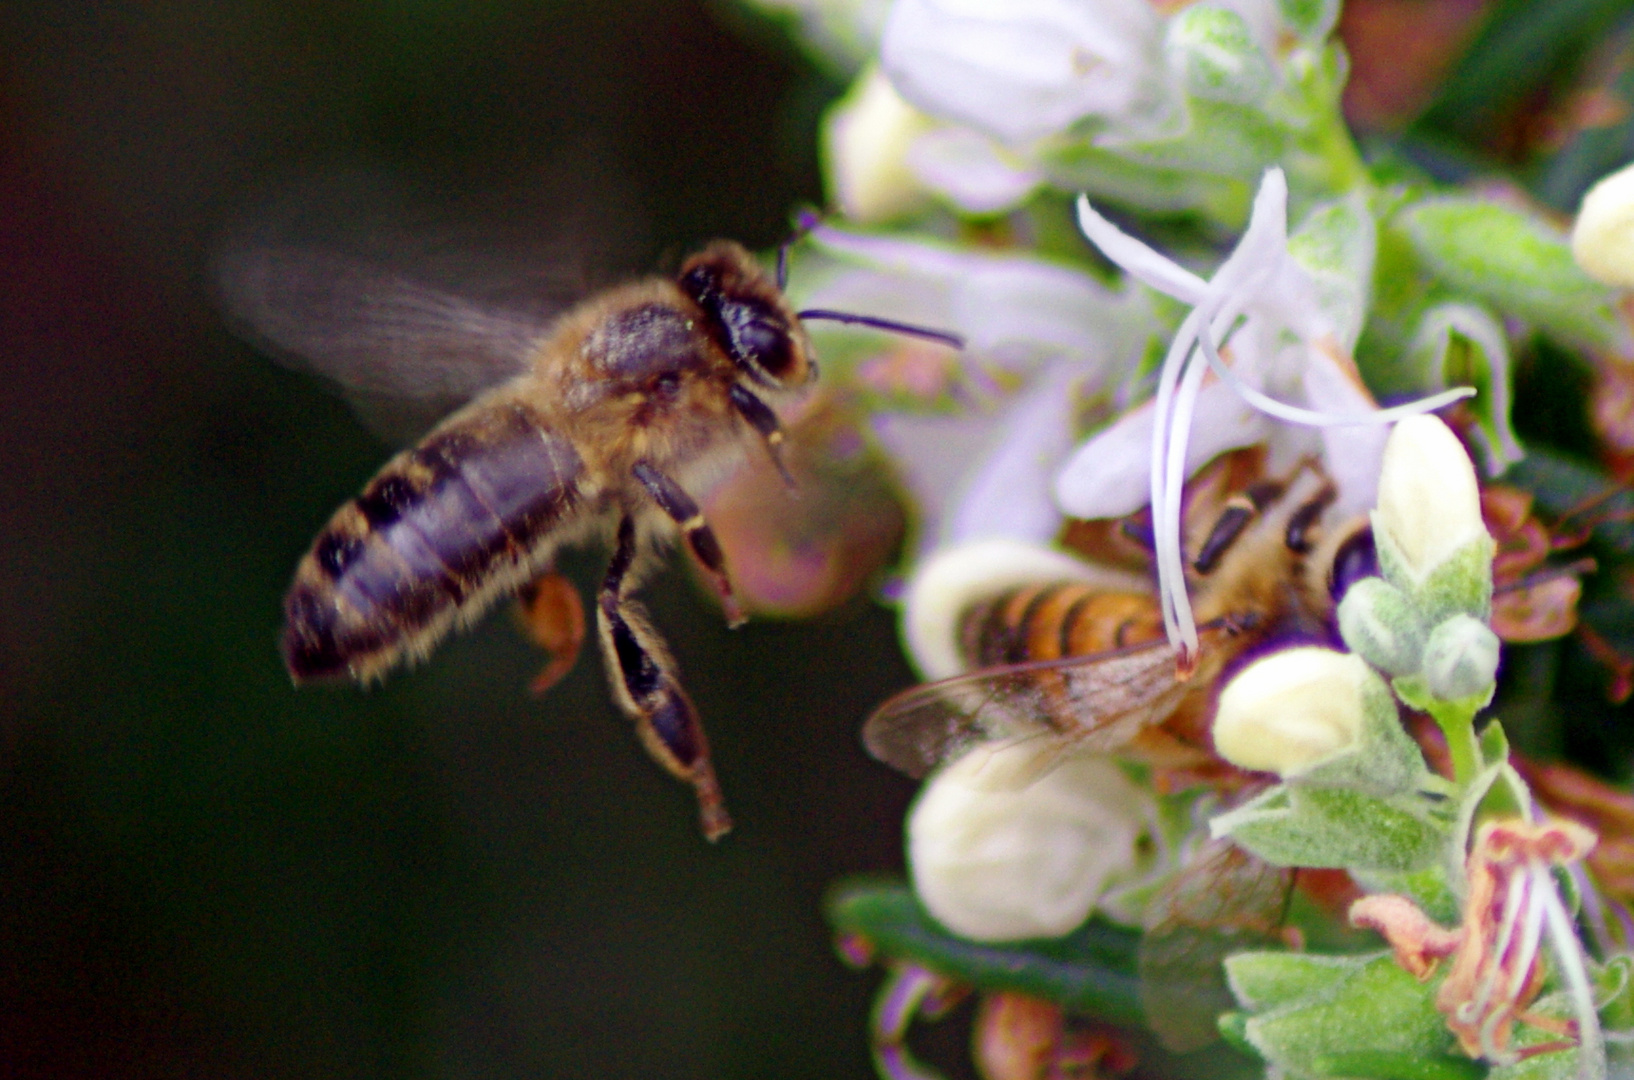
column 1046, row 622
column 439, row 533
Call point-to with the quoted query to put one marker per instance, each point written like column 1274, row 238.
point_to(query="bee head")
column 747, row 316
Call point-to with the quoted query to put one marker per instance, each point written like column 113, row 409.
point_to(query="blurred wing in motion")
column 378, row 333
column 1223, row 902
column 1096, row 702
column 409, row 306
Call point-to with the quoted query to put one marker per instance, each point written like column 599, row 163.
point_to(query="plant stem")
column 1457, row 724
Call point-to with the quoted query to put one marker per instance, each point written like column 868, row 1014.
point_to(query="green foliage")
column 1091, row 970
column 1305, row 1013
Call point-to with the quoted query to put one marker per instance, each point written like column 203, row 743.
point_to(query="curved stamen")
column 1591, row 1045
column 1252, row 269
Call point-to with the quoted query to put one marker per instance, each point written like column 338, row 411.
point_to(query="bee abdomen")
column 1049, row 621
column 443, row 529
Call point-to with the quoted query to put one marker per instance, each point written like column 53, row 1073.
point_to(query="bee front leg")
column 645, row 687
column 699, row 536
column 553, row 617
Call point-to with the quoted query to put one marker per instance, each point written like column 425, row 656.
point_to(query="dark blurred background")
column 204, row 872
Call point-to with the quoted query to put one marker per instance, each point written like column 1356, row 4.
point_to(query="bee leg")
column 699, row 536
column 645, row 687
column 553, row 618
column 759, row 416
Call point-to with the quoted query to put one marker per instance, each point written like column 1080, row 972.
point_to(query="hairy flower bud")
column 999, row 853
column 1603, row 236
column 1461, row 658
column 1293, row 709
column 866, row 140
column 1378, row 622
column 1429, row 501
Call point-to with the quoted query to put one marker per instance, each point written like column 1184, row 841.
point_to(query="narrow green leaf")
column 1091, row 970
column 1514, row 262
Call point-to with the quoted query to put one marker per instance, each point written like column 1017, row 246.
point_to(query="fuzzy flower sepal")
column 1368, row 802
column 1317, row 1016
column 1299, row 824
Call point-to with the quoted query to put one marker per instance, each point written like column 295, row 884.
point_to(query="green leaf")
column 1428, row 888
column 1514, row 262
column 1389, row 1065
column 1090, row 971
column 1465, row 345
column 1337, row 244
column 1327, row 1008
column 1298, row 825
column 1270, row 980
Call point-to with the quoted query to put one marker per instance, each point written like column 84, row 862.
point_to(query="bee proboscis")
column 605, row 422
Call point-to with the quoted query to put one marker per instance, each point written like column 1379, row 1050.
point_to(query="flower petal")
column 1110, row 474
column 1137, row 259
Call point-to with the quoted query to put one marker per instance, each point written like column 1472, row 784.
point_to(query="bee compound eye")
column 1356, row 558
column 758, row 337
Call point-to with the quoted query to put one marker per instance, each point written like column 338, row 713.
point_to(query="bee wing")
column 1225, row 900
column 1096, row 702
column 384, row 337
column 409, row 303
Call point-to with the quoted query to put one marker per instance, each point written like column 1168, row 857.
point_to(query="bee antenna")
column 945, row 337
column 804, row 222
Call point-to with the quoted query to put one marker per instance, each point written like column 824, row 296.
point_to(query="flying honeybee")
column 1073, row 652
column 606, row 419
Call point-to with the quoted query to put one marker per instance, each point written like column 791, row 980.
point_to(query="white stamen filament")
column 1591, row 1045
column 1480, row 1001
column 1217, row 305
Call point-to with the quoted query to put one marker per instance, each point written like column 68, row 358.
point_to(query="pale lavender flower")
column 1286, row 350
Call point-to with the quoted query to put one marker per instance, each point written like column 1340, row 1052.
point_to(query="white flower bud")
column 866, row 138
column 1293, row 709
column 1025, row 69
column 1460, row 658
column 1378, row 622
column 997, row 858
column 1603, row 236
column 1429, row 501
column 1215, row 49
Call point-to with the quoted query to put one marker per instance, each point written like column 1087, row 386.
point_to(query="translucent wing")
column 1096, row 702
column 371, row 328
column 1223, row 902
column 411, row 307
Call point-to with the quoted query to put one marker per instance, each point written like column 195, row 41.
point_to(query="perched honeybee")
column 1060, row 648
column 607, row 419
column 1071, row 653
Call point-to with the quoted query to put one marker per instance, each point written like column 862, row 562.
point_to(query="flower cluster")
column 1168, row 258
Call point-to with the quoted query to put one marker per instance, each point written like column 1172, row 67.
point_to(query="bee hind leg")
column 700, row 538
column 553, row 618
column 645, row 686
